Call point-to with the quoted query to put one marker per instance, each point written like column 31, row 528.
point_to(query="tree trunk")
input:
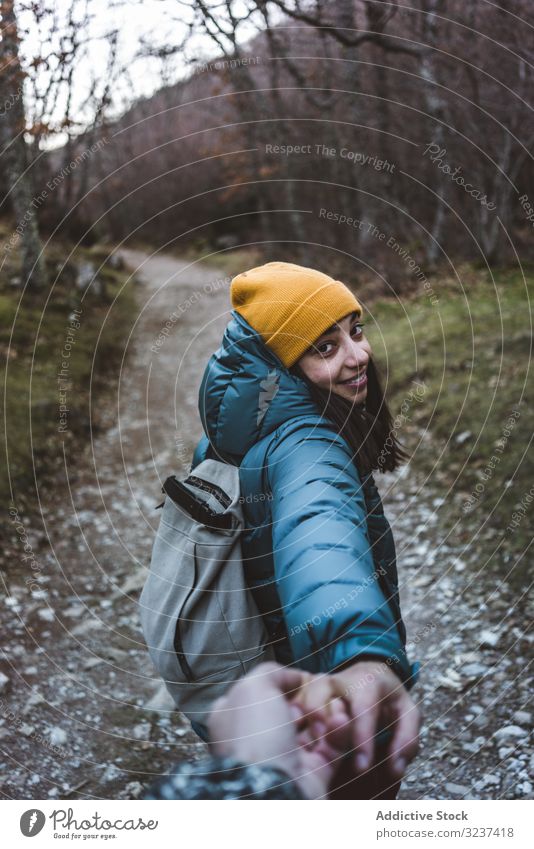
column 14, row 153
column 436, row 109
column 352, row 203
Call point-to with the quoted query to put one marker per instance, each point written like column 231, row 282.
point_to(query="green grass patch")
column 472, row 352
column 37, row 331
column 234, row 261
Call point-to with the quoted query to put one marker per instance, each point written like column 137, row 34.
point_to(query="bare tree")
column 340, row 25
column 436, row 109
column 377, row 80
column 15, row 159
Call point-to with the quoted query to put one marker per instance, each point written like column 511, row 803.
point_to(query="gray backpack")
column 199, row 619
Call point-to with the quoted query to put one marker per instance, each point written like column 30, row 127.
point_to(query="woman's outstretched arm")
column 333, row 604
column 338, row 619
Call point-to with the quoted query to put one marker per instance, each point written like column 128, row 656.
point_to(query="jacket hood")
column 247, row 392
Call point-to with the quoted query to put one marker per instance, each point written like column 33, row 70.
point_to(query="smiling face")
column 338, row 359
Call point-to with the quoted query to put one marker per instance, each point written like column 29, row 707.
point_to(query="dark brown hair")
column 366, row 427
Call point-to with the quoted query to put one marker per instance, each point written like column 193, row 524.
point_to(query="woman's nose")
column 355, row 354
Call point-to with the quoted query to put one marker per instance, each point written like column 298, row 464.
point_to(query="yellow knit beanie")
column 290, row 306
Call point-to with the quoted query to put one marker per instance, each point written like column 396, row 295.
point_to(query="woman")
column 293, row 398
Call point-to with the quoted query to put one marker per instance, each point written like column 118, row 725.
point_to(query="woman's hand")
column 375, row 699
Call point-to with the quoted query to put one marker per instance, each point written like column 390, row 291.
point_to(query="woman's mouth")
column 355, row 382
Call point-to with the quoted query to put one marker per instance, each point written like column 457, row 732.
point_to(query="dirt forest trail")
column 82, row 711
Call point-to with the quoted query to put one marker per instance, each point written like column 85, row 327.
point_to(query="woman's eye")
column 358, row 328
column 322, row 348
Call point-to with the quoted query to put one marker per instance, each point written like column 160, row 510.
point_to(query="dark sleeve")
column 224, row 778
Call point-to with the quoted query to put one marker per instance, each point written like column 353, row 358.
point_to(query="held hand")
column 253, row 721
column 257, row 723
column 375, row 699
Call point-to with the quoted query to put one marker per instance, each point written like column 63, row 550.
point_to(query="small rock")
column 490, row 778
column 85, row 276
column 46, row 614
column 474, row 670
column 456, row 789
column 11, row 601
column 489, row 639
column 141, row 731
column 74, row 612
column 85, row 626
column 467, row 657
column 116, row 262
column 510, row 731
column 525, row 788
column 463, row 437
column 135, row 581
column 111, row 774
column 475, row 746
column 34, row 700
column 504, row 751
column 450, row 681
column 523, row 717
column 4, row 681
column 92, row 662
column 423, row 580
column 26, row 729
column 57, row 736
column 118, row 656
column 134, row 790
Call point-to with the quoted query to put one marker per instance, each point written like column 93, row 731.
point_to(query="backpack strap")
column 208, row 453
column 185, row 498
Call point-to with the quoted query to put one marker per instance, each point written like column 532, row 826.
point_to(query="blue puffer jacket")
column 318, row 550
